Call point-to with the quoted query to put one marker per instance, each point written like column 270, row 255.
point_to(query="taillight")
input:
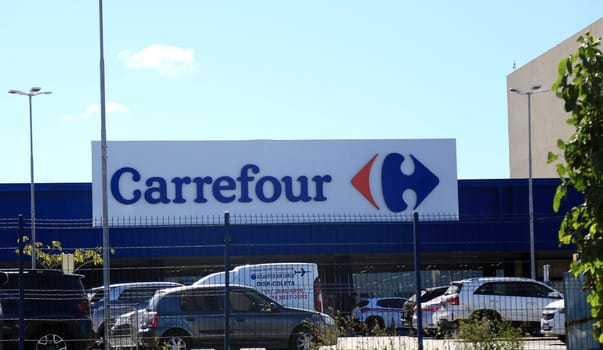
column 432, row 308
column 84, row 307
column 365, row 309
column 153, row 320
column 453, row 300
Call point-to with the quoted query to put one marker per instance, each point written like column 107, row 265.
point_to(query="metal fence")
column 365, row 272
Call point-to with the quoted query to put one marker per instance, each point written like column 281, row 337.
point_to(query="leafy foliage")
column 484, row 333
column 580, row 85
column 50, row 256
column 348, row 325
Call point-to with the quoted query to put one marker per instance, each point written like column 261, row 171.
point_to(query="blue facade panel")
column 493, row 217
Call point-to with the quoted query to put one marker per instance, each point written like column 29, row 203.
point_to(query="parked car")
column 428, row 308
column 56, row 310
column 380, row 311
column 515, row 299
column 189, row 317
column 408, row 309
column 123, row 298
column 553, row 320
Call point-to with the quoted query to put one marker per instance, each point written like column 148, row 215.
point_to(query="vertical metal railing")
column 227, row 240
column 417, row 252
column 21, row 287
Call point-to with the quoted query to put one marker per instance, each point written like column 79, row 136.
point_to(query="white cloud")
column 167, row 60
column 93, row 110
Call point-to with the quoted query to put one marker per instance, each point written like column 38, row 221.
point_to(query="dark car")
column 408, row 309
column 56, row 310
column 193, row 317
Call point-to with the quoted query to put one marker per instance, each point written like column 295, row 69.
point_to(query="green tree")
column 580, row 85
column 50, row 256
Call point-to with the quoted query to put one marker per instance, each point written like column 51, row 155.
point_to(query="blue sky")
column 242, row 70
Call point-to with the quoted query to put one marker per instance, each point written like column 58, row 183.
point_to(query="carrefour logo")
column 224, row 189
column 130, row 186
column 300, row 180
column 394, row 182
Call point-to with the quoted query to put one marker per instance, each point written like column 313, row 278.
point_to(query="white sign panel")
column 264, row 177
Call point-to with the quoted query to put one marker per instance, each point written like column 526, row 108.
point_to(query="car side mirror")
column 555, row 295
column 274, row 307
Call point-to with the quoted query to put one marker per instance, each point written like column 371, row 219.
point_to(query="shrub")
column 486, row 333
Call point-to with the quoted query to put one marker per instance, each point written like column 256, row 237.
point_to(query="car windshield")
column 433, row 293
column 154, row 299
column 454, row 288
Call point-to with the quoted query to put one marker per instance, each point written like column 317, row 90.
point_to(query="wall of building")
column 548, row 117
column 492, row 232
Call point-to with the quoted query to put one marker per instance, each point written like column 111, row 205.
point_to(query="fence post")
column 227, row 240
column 417, row 251
column 21, row 287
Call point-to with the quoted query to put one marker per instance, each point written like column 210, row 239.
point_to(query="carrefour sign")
column 264, row 177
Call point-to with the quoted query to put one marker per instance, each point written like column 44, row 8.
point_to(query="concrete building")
column 548, row 118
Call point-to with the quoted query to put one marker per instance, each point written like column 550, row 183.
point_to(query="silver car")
column 123, row 298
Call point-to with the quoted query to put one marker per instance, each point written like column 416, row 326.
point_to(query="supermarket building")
column 166, row 229
column 346, row 205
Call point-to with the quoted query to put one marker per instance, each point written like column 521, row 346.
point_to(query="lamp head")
column 35, row 89
column 536, row 87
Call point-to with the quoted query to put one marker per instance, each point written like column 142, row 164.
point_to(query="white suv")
column 381, row 311
column 515, row 299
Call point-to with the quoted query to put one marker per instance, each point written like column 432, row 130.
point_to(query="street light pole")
column 105, row 199
column 32, row 92
column 534, row 90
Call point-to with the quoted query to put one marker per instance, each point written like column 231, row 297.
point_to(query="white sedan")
column 553, row 320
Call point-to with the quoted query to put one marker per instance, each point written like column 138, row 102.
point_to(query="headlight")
column 328, row 319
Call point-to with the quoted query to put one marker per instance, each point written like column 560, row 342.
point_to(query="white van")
column 291, row 284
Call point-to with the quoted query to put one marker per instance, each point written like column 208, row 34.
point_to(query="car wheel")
column 51, row 340
column 562, row 338
column 303, row 339
column 373, row 322
column 175, row 342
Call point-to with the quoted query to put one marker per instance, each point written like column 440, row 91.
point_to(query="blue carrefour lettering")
column 115, row 185
column 178, row 182
column 303, row 189
column 245, row 179
column 157, row 191
column 319, row 181
column 260, row 189
column 221, row 185
column 128, row 187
